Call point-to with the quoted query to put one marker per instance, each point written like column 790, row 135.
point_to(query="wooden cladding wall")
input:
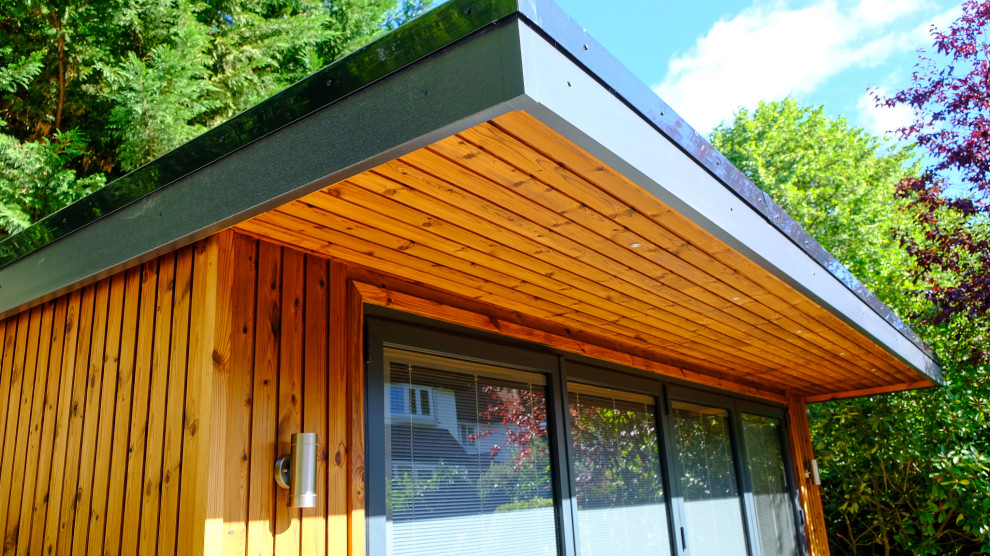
column 144, row 412
column 104, row 398
column 286, row 373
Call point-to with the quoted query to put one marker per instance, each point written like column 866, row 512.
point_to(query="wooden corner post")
column 811, row 501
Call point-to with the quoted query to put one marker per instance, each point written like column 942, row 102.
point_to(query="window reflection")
column 469, row 460
column 617, row 480
column 712, row 513
column 774, row 513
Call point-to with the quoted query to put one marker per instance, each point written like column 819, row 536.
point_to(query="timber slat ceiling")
column 512, row 214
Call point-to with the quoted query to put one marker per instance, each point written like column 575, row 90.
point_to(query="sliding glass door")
column 712, row 506
column 475, row 447
column 774, row 507
column 618, row 486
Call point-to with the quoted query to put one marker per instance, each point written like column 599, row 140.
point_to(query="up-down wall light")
column 296, row 471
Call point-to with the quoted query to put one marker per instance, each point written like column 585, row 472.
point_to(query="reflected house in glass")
column 524, row 306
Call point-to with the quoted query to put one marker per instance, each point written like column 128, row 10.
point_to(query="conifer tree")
column 96, row 88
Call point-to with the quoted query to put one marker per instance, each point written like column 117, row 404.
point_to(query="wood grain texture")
column 93, row 543
column 698, row 283
column 290, row 391
column 338, row 431
column 110, row 545
column 494, row 291
column 313, row 528
column 221, row 360
column 154, row 440
column 23, row 453
column 870, row 391
column 6, row 364
column 31, row 534
column 21, row 387
column 90, row 419
column 750, row 277
column 137, row 436
column 264, row 414
column 511, row 214
column 99, row 383
column 809, row 493
column 66, row 517
column 196, row 482
column 45, row 538
column 175, row 398
column 452, row 313
column 354, row 349
column 43, row 389
column 565, row 288
column 239, row 395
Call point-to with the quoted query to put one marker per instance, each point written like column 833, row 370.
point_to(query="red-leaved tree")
column 950, row 95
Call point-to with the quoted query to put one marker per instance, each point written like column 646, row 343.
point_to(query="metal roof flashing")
column 451, row 68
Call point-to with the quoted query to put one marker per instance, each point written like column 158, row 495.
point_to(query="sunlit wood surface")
column 511, row 214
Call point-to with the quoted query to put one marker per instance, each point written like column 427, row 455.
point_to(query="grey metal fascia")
column 572, row 40
column 431, row 99
column 564, row 95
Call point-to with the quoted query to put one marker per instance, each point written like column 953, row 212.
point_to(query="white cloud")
column 880, row 12
column 880, row 120
column 769, row 51
column 943, row 20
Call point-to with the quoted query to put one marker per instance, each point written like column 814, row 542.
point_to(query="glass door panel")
column 765, row 460
column 467, row 459
column 621, row 505
column 713, row 522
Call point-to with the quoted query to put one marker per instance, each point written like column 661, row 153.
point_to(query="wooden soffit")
column 512, row 214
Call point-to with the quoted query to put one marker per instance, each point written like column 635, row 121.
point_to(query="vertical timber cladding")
column 103, row 398
column 287, row 373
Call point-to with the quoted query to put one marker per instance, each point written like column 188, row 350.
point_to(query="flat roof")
column 457, row 67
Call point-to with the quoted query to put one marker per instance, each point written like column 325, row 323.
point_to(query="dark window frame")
column 387, row 328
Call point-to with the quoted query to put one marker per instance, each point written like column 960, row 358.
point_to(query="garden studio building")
column 524, row 307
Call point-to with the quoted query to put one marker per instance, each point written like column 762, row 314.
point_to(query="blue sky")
column 707, row 58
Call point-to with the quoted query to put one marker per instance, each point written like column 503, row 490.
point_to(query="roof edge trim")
column 547, row 19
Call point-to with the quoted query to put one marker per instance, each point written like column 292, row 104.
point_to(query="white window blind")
column 712, row 511
column 617, row 476
column 475, row 478
column 765, row 460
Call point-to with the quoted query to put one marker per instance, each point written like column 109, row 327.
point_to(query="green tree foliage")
column 903, row 473
column 34, row 176
column 141, row 77
column 523, row 479
column 616, row 458
column 907, row 473
column 837, row 181
column 35, row 180
column 158, row 101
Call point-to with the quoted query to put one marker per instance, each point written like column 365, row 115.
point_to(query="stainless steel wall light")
column 296, row 471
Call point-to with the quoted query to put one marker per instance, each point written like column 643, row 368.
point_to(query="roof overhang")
column 524, row 72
